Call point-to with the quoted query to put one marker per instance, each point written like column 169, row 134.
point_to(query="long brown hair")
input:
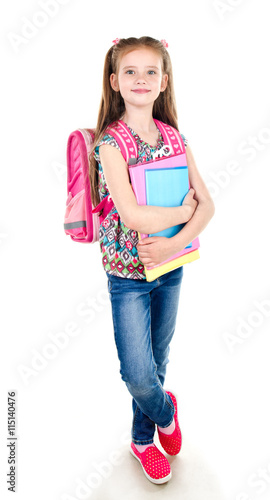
column 112, row 105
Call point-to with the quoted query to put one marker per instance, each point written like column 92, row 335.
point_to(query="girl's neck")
column 140, row 121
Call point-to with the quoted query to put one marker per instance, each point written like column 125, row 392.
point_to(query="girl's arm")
column 145, row 219
column 154, row 250
column 204, row 211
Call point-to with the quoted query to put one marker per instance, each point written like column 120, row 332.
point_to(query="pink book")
column 164, row 182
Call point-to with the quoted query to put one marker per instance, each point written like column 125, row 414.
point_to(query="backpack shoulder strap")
column 128, row 145
column 172, row 137
column 124, row 139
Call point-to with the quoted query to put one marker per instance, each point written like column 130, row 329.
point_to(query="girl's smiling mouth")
column 140, row 91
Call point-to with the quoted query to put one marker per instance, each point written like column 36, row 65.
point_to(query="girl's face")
column 139, row 79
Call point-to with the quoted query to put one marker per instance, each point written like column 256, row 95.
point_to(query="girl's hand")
column 154, row 250
column 190, row 203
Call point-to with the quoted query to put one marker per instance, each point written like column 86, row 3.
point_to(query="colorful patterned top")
column 118, row 243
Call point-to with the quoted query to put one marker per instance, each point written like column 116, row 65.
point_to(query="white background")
column 73, row 410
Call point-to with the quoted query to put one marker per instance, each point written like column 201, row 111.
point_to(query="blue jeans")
column 144, row 317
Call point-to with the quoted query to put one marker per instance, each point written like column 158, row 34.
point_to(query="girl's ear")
column 164, row 83
column 114, row 82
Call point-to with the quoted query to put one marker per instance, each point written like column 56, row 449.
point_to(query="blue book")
column 167, row 187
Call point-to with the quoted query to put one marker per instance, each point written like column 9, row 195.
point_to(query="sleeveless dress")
column 118, row 243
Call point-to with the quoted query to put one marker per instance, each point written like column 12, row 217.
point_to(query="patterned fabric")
column 118, row 243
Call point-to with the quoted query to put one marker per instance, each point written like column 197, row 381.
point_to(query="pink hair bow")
column 166, row 45
column 116, row 41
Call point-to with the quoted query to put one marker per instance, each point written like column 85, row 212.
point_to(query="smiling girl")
column 137, row 90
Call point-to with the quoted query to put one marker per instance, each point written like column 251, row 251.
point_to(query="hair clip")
column 116, row 41
column 166, row 45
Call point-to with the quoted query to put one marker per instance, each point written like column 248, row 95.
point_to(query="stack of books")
column 164, row 182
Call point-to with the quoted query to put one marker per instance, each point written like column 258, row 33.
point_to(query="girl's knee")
column 141, row 385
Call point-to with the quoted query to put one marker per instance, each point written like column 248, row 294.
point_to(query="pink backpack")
column 82, row 219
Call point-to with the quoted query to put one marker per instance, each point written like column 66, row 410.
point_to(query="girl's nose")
column 140, row 79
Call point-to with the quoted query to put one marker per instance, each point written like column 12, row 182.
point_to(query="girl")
column 138, row 87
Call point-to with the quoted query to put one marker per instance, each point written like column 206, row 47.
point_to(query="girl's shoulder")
column 106, row 139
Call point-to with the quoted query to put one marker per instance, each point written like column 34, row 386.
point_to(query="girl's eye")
column 130, row 72
column 151, row 72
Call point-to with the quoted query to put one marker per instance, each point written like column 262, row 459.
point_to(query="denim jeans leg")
column 164, row 308
column 133, row 310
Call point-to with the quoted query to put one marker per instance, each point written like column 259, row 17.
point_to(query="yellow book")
column 156, row 272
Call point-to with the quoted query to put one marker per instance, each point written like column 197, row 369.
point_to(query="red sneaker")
column 171, row 443
column 155, row 466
